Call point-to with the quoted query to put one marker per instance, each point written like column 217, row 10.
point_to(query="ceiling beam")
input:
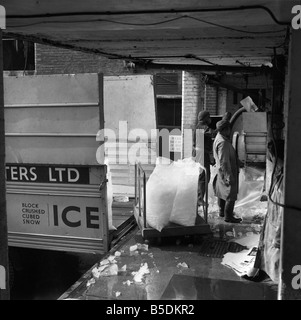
column 203, row 68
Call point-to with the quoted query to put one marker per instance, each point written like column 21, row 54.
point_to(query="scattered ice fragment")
column 143, row 246
column 101, row 268
column 141, row 272
column 95, row 273
column 105, row 261
column 133, row 248
column 182, row 264
column 123, row 268
column 111, row 270
column 90, row 282
column 106, row 270
column 111, row 258
column 234, row 233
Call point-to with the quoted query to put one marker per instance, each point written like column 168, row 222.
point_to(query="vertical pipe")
column 135, row 183
column 101, row 116
column 206, row 201
column 144, row 199
column 139, row 190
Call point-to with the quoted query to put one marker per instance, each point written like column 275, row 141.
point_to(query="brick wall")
column 211, row 100
column 54, row 60
column 192, row 103
column 192, row 98
column 222, row 101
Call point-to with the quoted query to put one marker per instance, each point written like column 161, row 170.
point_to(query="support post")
column 278, row 91
column 4, row 272
column 290, row 259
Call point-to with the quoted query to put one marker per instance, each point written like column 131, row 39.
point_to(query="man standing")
column 202, row 128
column 225, row 183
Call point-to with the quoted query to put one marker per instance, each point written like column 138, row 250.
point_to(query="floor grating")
column 216, row 248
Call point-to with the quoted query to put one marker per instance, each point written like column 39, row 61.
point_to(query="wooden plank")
column 147, row 8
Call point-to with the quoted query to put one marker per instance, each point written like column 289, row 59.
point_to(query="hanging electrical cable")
column 137, row 12
column 147, row 24
column 155, row 11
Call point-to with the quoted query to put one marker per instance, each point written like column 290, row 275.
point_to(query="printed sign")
column 55, row 215
column 175, row 143
column 47, row 174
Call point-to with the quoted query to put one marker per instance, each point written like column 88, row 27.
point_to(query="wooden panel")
column 130, row 29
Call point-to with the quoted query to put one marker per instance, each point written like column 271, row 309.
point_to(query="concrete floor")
column 202, row 278
column 176, row 268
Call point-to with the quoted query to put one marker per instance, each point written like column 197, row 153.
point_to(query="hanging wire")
column 148, row 24
column 154, row 11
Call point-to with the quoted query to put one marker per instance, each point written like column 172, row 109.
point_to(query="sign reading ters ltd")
column 47, row 174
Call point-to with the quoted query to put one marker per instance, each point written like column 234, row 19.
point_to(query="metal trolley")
column 140, row 212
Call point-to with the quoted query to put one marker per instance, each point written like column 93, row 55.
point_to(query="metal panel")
column 254, row 136
column 76, row 118
column 56, row 190
column 129, row 106
column 71, row 150
column 37, row 241
column 255, row 121
column 52, row 119
column 51, row 89
column 58, row 216
column 130, row 99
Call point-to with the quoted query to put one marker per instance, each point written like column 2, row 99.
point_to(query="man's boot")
column 229, row 217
